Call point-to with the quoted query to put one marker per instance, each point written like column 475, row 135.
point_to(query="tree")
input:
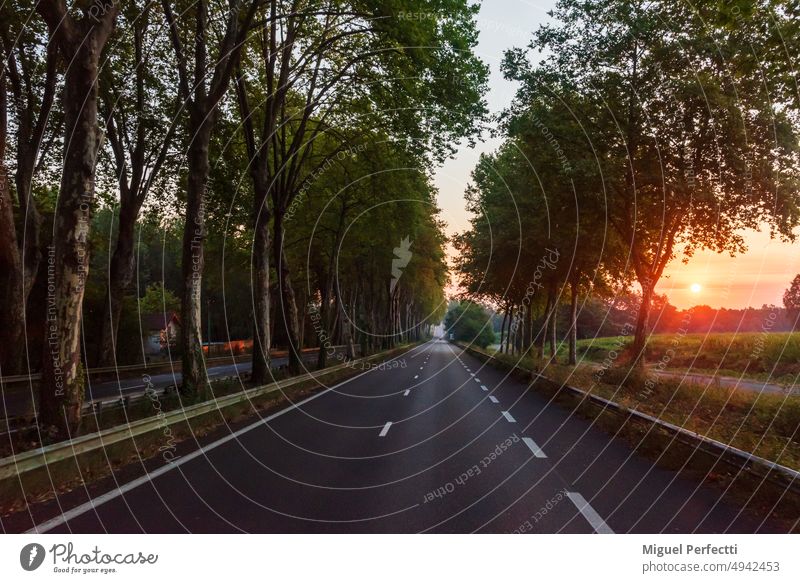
column 373, row 254
column 138, row 104
column 29, row 75
column 79, row 36
column 471, row 323
column 204, row 73
column 692, row 146
column 158, row 300
column 320, row 63
column 791, row 301
column 568, row 202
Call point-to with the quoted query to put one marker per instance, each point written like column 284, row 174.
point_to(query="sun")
column 696, row 288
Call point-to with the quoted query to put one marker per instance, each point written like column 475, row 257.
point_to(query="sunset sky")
column 758, row 277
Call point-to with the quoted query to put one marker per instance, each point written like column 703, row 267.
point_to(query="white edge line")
column 508, row 417
column 537, row 451
column 148, row 477
column 385, row 429
column 590, row 514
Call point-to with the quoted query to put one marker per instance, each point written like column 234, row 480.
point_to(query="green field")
column 768, row 425
column 762, row 356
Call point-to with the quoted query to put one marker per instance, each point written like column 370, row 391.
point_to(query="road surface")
column 437, row 442
column 742, row 384
column 17, row 401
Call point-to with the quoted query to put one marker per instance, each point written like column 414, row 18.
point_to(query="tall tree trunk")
column 331, row 284
column 529, row 327
column 12, row 300
column 374, row 340
column 138, row 160
column 62, row 385
column 262, row 340
column 193, row 256
column 32, row 117
column 30, row 248
column 503, row 328
column 512, row 334
column 573, row 324
column 545, row 326
column 642, row 320
column 553, row 332
column 322, row 323
column 26, row 267
column 287, row 309
column 121, row 272
column 12, row 297
column 347, row 334
column 203, row 100
column 301, row 322
column 507, row 332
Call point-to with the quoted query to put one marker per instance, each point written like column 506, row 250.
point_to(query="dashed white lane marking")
column 385, row 429
column 508, row 417
column 420, row 368
column 476, row 379
column 493, row 399
column 94, row 503
column 590, row 514
column 407, row 392
column 483, row 387
column 537, row 451
column 416, row 376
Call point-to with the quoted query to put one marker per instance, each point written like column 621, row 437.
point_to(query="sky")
column 757, row 277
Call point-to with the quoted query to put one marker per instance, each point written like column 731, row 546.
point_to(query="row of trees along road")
column 641, row 131
column 291, row 139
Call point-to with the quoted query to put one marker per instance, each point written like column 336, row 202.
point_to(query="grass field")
column 773, row 357
column 767, row 425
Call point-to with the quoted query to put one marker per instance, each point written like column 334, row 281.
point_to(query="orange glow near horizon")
column 756, row 277
column 759, row 276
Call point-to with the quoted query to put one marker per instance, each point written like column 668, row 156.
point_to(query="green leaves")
column 470, row 322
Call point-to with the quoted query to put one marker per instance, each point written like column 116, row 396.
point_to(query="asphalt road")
column 17, row 401
column 436, row 443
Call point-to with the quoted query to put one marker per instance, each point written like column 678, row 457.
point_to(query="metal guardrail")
column 24, row 462
column 743, row 460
